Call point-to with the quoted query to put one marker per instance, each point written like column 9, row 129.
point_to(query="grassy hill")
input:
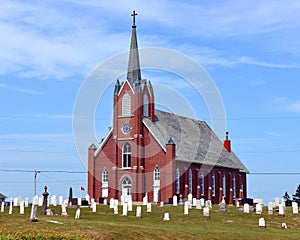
column 105, row 225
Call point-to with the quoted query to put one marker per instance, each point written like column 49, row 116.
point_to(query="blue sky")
column 251, row 50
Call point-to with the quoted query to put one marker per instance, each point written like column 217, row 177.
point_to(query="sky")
column 48, row 49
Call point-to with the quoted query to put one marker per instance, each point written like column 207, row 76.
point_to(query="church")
column 161, row 154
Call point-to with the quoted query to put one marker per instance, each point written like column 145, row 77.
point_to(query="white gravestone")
column 35, row 200
column 16, row 203
column 166, row 217
column 246, row 208
column 161, row 204
column 2, row 207
column 22, row 206
column 111, row 203
column 270, row 208
column 60, row 200
column 281, row 210
column 129, row 205
column 149, row 207
column 205, row 212
column 10, row 206
column 64, row 210
column 77, row 213
column 33, row 212
column 138, row 211
column 198, row 204
column 283, row 225
column 261, row 222
column 202, row 202
column 79, row 201
column 145, row 200
column 190, row 197
column 258, row 208
column 186, row 208
column 105, row 201
column 194, row 202
column 53, row 200
column 87, row 197
column 277, row 202
column 116, row 206
column 94, row 206
column 26, row 203
column 295, row 207
column 122, row 199
column 125, row 208
column 175, row 203
column 208, row 204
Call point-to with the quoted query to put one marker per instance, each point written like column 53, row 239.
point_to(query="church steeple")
column 134, row 72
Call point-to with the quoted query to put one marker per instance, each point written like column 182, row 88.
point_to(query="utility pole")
column 35, row 175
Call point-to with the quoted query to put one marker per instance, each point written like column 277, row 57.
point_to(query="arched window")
column 105, row 176
column 104, row 183
column 156, row 174
column 126, row 186
column 126, row 155
column 213, row 185
column 224, row 185
column 234, row 187
column 177, row 181
column 126, row 104
column 190, row 181
column 146, row 109
column 202, row 184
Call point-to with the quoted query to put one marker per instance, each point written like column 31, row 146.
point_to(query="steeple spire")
column 133, row 72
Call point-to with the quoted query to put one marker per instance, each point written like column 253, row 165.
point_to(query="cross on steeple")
column 133, row 17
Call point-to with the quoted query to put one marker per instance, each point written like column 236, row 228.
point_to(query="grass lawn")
column 105, row 225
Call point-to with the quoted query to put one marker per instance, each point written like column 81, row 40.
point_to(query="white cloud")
column 294, row 106
column 253, row 61
column 22, row 90
column 257, row 82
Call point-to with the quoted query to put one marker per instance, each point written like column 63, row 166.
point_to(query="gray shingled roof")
column 195, row 140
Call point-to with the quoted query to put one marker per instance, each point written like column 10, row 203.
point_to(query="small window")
column 105, row 176
column 202, row 184
column 213, row 185
column 224, row 185
column 234, row 187
column 190, row 181
column 146, row 108
column 126, row 104
column 126, row 156
column 177, row 181
column 156, row 174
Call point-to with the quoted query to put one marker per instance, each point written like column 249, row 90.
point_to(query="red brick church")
column 160, row 153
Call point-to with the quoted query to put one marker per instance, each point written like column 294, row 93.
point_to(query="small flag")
column 82, row 188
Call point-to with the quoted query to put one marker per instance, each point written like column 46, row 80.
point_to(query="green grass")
column 105, row 225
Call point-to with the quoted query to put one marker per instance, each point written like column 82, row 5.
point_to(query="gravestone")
column 32, row 217
column 122, row 199
column 149, row 207
column 77, row 213
column 145, row 200
column 2, row 207
column 40, row 201
column 138, row 211
column 45, row 201
column 15, row 202
column 79, row 201
column 258, row 208
column 194, row 202
column 116, row 206
column 64, row 210
column 222, row 207
column 125, row 208
column 283, row 225
column 166, row 217
column 208, row 204
column 35, row 200
column 277, row 202
column 190, row 197
column 53, row 200
column 202, row 202
column 270, row 208
column 94, row 207
column 10, row 206
column 198, row 204
column 161, row 204
column 105, row 201
column 129, row 205
column 246, row 208
column 186, row 208
column 26, row 203
column 175, row 201
column 87, row 197
column 22, row 206
column 60, row 200
column 295, row 207
column 180, row 200
column 111, row 203
column 281, row 210
column 206, row 212
column 261, row 222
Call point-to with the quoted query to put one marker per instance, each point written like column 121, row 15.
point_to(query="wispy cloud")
column 22, row 90
column 254, row 61
column 257, row 82
column 294, row 106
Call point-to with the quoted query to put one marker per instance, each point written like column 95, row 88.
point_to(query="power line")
column 48, row 171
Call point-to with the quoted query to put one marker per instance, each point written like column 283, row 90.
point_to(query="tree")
column 296, row 196
column 288, row 201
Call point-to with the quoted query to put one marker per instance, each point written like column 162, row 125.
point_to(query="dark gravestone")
column 74, row 201
column 84, row 203
column 45, row 201
column 101, row 200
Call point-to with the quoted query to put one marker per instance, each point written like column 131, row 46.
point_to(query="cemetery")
column 46, row 218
